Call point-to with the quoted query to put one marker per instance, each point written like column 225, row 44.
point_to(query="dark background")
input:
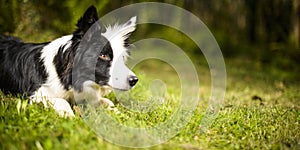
column 262, row 31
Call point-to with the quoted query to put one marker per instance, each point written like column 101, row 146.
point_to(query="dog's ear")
column 87, row 20
column 130, row 25
column 128, row 28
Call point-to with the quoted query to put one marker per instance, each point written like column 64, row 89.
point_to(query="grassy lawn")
column 261, row 110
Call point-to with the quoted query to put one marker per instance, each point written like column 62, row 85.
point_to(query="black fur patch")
column 21, row 67
column 87, row 65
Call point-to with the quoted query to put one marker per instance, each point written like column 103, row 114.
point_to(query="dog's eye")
column 104, row 57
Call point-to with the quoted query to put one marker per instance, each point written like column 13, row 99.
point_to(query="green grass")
column 261, row 110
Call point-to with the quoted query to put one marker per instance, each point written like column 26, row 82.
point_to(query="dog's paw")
column 62, row 107
column 108, row 104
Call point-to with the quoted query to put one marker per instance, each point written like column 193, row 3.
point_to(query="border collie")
column 45, row 72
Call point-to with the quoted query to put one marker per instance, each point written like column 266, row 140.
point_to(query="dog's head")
column 111, row 45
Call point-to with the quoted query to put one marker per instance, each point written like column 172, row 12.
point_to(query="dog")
column 58, row 72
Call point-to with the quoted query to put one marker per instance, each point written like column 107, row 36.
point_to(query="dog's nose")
column 132, row 80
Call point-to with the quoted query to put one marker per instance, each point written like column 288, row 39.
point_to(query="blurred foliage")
column 10, row 14
column 263, row 30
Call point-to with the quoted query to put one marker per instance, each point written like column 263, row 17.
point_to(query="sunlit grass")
column 260, row 111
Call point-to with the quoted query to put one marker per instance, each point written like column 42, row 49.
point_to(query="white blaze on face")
column 119, row 72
